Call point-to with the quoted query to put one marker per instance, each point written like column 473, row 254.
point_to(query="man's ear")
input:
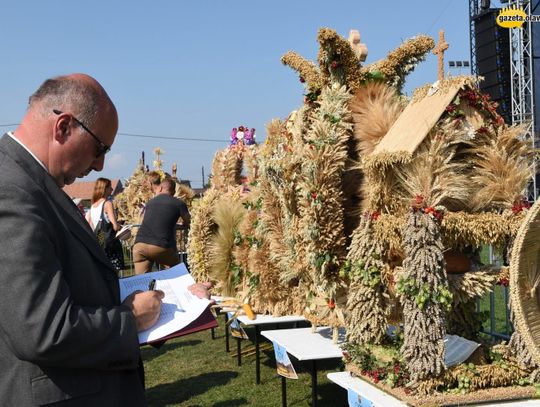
column 62, row 129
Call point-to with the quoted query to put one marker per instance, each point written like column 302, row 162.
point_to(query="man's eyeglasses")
column 102, row 148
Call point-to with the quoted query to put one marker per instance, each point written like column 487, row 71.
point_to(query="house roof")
column 418, row 118
column 84, row 189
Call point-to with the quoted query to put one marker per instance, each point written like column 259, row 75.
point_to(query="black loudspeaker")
column 492, row 47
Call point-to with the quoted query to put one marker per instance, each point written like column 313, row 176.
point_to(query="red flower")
column 504, row 281
column 375, row 215
column 302, row 80
column 314, row 196
column 331, row 303
column 334, row 64
column 451, row 108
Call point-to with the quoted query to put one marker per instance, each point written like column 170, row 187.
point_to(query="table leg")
column 227, row 349
column 257, row 357
column 239, row 351
column 283, row 391
column 212, row 333
column 314, row 383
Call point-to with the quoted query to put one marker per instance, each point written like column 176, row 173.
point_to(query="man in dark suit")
column 64, row 335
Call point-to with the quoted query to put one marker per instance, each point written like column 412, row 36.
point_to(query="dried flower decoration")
column 242, row 135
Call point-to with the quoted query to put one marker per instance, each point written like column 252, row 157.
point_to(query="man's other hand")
column 201, row 290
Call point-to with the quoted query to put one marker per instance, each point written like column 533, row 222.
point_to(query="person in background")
column 65, row 337
column 102, row 208
column 156, row 238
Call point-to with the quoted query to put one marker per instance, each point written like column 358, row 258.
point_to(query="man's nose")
column 98, row 163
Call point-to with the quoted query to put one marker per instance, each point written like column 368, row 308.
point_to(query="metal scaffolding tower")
column 522, row 76
column 522, row 83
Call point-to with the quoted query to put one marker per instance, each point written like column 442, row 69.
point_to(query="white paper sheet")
column 179, row 308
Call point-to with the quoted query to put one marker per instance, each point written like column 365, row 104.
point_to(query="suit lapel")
column 62, row 204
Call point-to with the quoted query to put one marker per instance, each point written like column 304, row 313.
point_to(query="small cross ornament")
column 439, row 51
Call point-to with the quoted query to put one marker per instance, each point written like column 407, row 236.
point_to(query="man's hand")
column 201, row 289
column 146, row 306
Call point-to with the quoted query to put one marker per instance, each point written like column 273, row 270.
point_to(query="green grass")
column 196, row 371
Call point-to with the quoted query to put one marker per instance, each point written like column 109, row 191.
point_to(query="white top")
column 269, row 319
column 95, row 214
column 304, row 345
column 379, row 398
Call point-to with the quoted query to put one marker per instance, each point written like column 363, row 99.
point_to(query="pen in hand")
column 152, row 284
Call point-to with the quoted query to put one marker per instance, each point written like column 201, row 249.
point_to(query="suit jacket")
column 64, row 336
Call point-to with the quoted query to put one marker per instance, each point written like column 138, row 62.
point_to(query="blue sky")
column 196, row 69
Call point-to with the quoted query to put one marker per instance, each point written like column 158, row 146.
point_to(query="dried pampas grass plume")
column 374, row 109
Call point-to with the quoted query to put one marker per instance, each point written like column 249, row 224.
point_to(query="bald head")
column 68, row 125
column 77, row 93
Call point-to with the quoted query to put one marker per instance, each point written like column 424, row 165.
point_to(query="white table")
column 307, row 346
column 381, row 399
column 257, row 323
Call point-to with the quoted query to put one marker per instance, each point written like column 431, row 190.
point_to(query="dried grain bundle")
column 462, row 229
column 503, row 167
column 269, row 295
column 250, row 161
column 307, row 70
column 466, row 288
column 367, row 305
column 320, row 197
column 401, row 61
column 374, row 107
column 424, row 293
column 389, row 229
column 244, row 240
column 226, row 214
column 524, row 290
column 133, row 198
column 434, row 174
column 337, row 61
column 199, row 236
column 278, row 173
column 185, row 193
column 469, row 286
column 479, row 377
column 276, row 134
column 226, row 168
column 381, row 185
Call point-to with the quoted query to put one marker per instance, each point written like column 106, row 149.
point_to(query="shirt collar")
column 12, row 135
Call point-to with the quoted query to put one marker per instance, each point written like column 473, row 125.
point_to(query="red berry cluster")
column 375, row 215
column 521, row 205
column 376, row 374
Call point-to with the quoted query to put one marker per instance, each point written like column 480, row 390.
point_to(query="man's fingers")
column 160, row 293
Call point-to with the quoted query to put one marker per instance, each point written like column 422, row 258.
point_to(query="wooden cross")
column 439, row 51
column 360, row 50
